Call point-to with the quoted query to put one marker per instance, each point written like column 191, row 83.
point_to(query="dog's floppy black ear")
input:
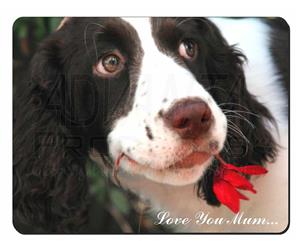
column 46, row 65
column 249, row 125
column 49, row 177
column 249, row 140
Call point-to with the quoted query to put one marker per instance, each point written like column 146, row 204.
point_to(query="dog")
column 157, row 100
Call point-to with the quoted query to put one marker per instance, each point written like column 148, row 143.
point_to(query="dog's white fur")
column 161, row 77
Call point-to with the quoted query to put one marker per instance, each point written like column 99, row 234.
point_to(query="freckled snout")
column 190, row 118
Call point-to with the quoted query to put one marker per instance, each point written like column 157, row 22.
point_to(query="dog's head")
column 161, row 96
column 174, row 125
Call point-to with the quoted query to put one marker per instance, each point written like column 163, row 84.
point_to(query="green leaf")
column 120, row 201
column 97, row 187
column 54, row 22
column 40, row 29
column 22, row 31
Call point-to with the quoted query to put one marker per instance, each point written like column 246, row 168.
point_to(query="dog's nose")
column 190, row 118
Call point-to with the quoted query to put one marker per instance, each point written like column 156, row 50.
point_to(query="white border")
column 9, row 238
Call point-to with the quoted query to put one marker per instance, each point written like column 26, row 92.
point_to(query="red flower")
column 229, row 178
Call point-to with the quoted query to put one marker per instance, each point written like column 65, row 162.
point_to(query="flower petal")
column 249, row 169
column 242, row 197
column 237, row 180
column 226, row 194
column 253, row 170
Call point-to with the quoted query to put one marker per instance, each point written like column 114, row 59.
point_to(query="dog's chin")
column 185, row 172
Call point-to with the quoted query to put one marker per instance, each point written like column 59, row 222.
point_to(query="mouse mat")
column 128, row 125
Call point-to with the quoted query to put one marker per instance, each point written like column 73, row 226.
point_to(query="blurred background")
column 111, row 210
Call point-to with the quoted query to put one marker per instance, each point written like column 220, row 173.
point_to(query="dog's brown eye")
column 188, row 49
column 110, row 64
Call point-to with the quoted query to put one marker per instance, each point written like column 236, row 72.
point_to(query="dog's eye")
column 188, row 49
column 110, row 64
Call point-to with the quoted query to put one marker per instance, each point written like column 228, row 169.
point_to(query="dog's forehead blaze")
column 143, row 28
column 152, row 30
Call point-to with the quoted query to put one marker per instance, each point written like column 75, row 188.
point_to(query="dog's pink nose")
column 190, row 118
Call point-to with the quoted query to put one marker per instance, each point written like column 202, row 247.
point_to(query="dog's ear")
column 49, row 175
column 249, row 121
column 249, row 125
column 249, row 140
column 46, row 65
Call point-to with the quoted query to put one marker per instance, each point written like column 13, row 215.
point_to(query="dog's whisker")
column 236, row 136
column 232, row 103
column 227, row 145
column 226, row 150
column 237, row 131
column 240, row 111
column 235, row 128
column 242, row 118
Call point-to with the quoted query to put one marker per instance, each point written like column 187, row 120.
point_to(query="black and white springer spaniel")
column 158, row 99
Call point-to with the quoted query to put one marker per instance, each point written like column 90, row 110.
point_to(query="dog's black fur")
column 64, row 110
column 228, row 87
